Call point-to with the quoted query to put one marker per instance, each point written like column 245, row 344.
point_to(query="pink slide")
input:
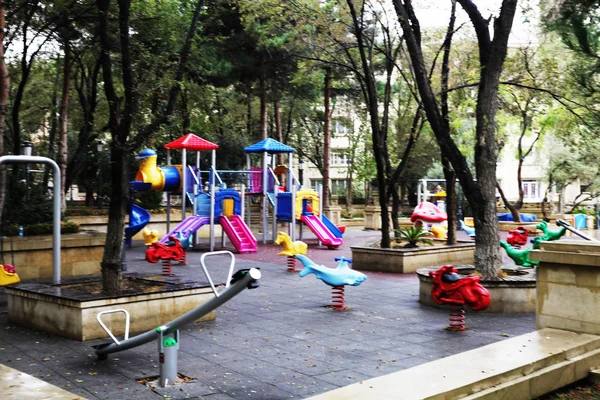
column 187, row 227
column 237, row 231
column 321, row 232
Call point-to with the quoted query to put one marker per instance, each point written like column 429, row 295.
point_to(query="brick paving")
column 279, row 341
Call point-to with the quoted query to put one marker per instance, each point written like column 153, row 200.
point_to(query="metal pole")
column 183, row 183
column 265, row 200
column 56, row 203
column 565, row 224
column 168, row 197
column 212, row 177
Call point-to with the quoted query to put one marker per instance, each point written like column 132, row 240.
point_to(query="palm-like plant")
column 413, row 236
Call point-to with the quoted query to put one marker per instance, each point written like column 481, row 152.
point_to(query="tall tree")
column 4, row 90
column 492, row 52
column 63, row 118
column 120, row 120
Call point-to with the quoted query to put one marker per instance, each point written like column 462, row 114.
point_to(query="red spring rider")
column 449, row 287
column 517, row 237
column 166, row 252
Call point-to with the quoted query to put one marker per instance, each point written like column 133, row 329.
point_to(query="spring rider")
column 8, row 275
column 290, row 249
column 449, row 287
column 172, row 250
column 337, row 277
column 517, row 237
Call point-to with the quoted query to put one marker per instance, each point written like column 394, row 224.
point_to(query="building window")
column 339, row 129
column 531, row 190
column 338, row 187
column 314, row 184
column 339, row 158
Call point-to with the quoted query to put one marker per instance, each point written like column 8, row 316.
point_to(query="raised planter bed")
column 403, row 260
column 67, row 311
column 81, row 254
column 515, row 293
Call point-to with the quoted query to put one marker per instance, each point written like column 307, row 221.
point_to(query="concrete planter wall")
column 404, row 261
column 157, row 222
column 568, row 285
column 81, row 254
column 64, row 312
column 515, row 294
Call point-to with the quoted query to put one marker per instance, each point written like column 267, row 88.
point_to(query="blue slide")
column 138, row 218
column 331, row 226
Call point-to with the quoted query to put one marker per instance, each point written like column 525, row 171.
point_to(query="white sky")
column 436, row 14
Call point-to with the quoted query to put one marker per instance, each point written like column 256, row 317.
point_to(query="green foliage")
column 150, row 200
column 413, row 236
column 19, row 211
column 41, row 229
column 583, row 210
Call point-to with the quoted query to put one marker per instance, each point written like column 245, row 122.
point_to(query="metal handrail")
column 127, row 319
column 229, row 275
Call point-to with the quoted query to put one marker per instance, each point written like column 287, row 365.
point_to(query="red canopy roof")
column 191, row 142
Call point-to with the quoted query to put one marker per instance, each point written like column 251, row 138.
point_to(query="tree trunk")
column 63, row 124
column 378, row 129
column 263, row 104
column 326, row 138
column 120, row 127
column 278, row 128
column 113, row 249
column 480, row 194
column 451, row 200
column 396, row 210
column 4, row 91
column 53, row 124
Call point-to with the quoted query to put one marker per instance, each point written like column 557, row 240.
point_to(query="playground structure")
column 289, row 203
column 337, row 277
column 290, row 249
column 211, row 206
column 449, row 287
column 429, row 217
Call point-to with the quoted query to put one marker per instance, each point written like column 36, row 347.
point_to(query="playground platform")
column 279, row 341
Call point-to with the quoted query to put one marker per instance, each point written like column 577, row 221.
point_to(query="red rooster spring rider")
column 449, row 287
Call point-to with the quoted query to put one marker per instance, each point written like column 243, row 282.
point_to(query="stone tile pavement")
column 279, row 341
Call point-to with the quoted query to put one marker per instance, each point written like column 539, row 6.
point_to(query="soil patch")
column 402, row 245
column 129, row 286
column 580, row 390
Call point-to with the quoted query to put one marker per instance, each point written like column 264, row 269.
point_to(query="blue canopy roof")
column 270, row 146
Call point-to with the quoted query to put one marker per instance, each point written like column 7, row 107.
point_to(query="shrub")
column 414, row 235
column 150, row 200
column 36, row 210
column 40, row 229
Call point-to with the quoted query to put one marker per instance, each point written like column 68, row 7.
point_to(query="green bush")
column 84, row 211
column 414, row 235
column 584, row 210
column 355, row 200
column 40, row 229
column 150, row 200
column 36, row 210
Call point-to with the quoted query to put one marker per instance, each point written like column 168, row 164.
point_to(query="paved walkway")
column 276, row 342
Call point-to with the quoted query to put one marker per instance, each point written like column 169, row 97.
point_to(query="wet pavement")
column 279, row 341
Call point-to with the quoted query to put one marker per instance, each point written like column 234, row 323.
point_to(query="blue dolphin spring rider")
column 337, row 277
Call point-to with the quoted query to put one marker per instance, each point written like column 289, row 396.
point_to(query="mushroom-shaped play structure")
column 427, row 216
